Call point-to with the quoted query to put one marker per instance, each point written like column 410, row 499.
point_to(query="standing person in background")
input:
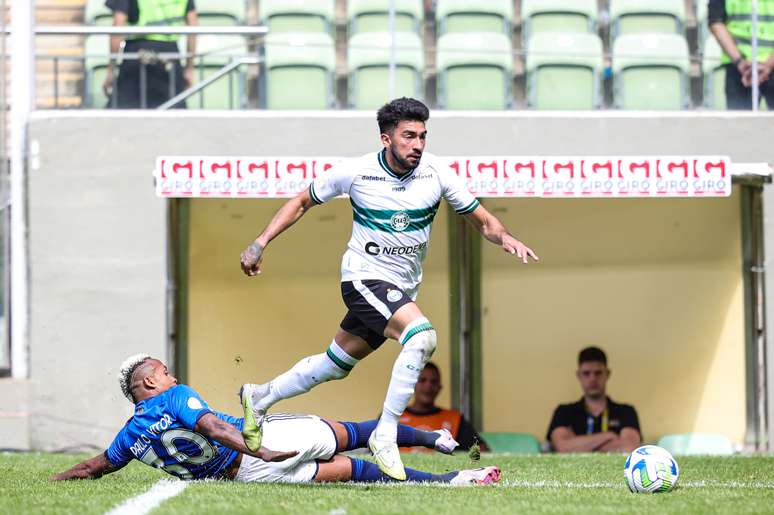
column 731, row 23
column 595, row 422
column 164, row 78
column 425, row 415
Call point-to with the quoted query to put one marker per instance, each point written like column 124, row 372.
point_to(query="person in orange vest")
column 423, row 414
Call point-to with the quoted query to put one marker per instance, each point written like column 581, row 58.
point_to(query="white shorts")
column 313, row 438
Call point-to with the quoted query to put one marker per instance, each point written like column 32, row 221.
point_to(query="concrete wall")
column 92, row 208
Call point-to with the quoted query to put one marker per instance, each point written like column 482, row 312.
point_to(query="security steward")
column 731, row 23
column 152, row 79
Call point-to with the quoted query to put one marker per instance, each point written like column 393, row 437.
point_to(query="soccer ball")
column 651, row 469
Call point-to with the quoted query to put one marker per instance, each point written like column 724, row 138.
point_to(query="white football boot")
column 387, row 456
column 482, row 476
column 445, row 443
column 252, row 430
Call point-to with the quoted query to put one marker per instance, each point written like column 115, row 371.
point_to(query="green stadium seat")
column 373, row 16
column 213, row 53
column 221, row 12
column 474, row 70
column 474, row 16
column 696, row 443
column 297, row 15
column 564, row 71
column 557, row 16
column 512, row 443
column 645, row 16
column 96, row 57
column 368, row 61
column 714, row 75
column 96, row 13
column 650, row 72
column 299, row 71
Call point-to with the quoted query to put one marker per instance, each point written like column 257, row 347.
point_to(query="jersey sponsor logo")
column 194, row 403
column 400, row 221
column 373, row 249
column 373, row 178
column 394, row 295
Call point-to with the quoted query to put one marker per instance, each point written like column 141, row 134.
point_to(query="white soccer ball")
column 651, row 469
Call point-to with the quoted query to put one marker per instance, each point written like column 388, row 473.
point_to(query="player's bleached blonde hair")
column 126, row 370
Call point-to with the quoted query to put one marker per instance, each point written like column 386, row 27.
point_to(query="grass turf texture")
column 530, row 484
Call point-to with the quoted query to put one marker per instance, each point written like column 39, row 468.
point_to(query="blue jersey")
column 161, row 434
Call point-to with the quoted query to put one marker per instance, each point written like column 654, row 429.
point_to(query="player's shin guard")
column 308, row 373
column 419, row 343
column 367, row 472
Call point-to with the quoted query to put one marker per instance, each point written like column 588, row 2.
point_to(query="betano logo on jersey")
column 374, row 250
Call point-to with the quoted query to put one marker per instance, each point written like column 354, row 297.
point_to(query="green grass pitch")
column 530, row 484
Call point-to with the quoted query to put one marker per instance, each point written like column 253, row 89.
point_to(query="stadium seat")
column 373, row 16
column 96, row 57
column 213, row 53
column 368, row 60
column 513, row 443
column 557, row 16
column 96, row 13
column 696, row 443
column 714, row 75
column 299, row 71
column 650, row 72
column 564, row 71
column 297, row 15
column 220, row 12
column 474, row 16
column 474, row 71
column 646, row 16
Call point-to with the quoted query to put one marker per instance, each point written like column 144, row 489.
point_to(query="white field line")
column 554, row 484
column 145, row 502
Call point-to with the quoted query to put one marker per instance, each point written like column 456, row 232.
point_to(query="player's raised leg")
column 355, row 435
column 344, row 352
column 418, row 339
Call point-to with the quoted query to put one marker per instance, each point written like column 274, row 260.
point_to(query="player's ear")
column 385, row 139
column 149, row 382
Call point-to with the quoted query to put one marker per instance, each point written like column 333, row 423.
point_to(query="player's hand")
column 269, row 455
column 251, row 258
column 513, row 246
column 107, row 84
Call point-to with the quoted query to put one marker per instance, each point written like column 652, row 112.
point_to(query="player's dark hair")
column 592, row 354
column 433, row 366
column 400, row 110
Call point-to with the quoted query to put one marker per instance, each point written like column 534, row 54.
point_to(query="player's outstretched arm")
column 286, row 216
column 493, row 230
column 211, row 426
column 93, row 468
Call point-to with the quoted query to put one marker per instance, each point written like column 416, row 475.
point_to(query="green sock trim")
column 339, row 363
column 418, row 329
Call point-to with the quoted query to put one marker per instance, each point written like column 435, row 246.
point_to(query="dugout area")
column 657, row 283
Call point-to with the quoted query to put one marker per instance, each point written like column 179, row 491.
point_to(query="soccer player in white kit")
column 395, row 194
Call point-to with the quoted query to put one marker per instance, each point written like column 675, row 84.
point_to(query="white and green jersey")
column 391, row 214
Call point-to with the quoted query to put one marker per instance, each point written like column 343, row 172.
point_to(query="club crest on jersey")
column 400, row 221
column 394, row 295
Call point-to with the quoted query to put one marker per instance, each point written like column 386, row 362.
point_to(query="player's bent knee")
column 425, row 342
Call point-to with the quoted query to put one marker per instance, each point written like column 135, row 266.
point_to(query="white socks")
column 308, row 373
column 419, row 342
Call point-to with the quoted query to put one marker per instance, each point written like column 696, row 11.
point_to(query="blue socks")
column 358, row 433
column 367, row 472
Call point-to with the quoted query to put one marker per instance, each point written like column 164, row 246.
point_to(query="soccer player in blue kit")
column 395, row 194
column 173, row 429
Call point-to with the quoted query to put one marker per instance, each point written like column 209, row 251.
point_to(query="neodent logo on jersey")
column 374, row 249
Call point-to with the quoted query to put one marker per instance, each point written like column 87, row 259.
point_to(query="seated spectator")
column 595, row 422
column 424, row 414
